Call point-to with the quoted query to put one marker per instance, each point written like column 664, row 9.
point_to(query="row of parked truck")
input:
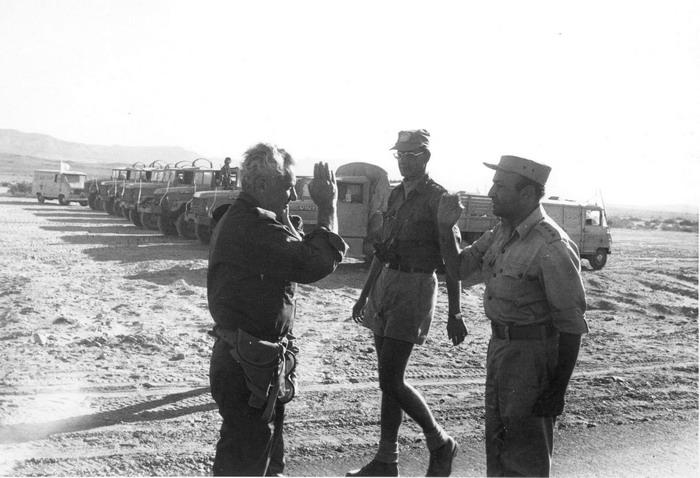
column 187, row 199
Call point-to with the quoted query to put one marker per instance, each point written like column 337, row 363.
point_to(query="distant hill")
column 15, row 168
column 661, row 211
column 34, row 145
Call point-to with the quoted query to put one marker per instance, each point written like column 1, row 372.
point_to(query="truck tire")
column 83, row 203
column 203, row 233
column 62, row 200
column 40, row 198
column 598, row 260
column 148, row 220
column 185, row 228
column 134, row 218
column 166, row 226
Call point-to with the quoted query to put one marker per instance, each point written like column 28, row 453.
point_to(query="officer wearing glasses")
column 398, row 300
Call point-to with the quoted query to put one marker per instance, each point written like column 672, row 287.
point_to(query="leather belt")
column 404, row 268
column 523, row 332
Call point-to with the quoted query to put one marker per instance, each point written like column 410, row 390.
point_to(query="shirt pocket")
column 510, row 284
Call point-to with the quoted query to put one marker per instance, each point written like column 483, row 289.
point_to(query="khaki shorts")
column 401, row 305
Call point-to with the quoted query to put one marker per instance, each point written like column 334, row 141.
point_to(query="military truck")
column 92, row 190
column 586, row 224
column 133, row 191
column 172, row 200
column 206, row 207
column 145, row 213
column 110, row 190
column 66, row 186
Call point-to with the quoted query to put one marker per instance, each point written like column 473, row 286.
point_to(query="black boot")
column 376, row 468
column 441, row 459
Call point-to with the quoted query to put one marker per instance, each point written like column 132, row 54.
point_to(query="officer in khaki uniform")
column 536, row 303
column 397, row 303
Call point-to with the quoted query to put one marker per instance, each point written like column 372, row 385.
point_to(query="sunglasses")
column 407, row 154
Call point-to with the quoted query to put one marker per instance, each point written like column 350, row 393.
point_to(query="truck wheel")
column 134, row 218
column 598, row 260
column 62, row 200
column 203, row 233
column 40, row 198
column 166, row 226
column 83, row 203
column 185, row 228
column 148, row 220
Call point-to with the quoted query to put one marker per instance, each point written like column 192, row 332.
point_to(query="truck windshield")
column 77, row 180
column 203, row 178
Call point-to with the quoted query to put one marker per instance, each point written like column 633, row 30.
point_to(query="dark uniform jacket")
column 410, row 235
column 254, row 263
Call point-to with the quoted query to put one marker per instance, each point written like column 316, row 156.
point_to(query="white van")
column 66, row 186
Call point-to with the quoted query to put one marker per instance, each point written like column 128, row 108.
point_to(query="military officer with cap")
column 398, row 300
column 535, row 300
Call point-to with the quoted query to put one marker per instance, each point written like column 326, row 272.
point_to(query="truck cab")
column 586, row 225
column 173, row 201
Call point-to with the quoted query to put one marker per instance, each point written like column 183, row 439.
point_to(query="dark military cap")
column 411, row 140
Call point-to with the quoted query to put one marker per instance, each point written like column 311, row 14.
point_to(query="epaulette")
column 549, row 231
column 436, row 187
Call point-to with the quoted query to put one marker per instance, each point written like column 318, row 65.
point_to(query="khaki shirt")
column 532, row 274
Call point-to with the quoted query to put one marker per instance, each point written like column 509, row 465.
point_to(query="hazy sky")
column 606, row 92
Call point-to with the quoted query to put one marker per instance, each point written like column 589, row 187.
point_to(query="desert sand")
column 105, row 351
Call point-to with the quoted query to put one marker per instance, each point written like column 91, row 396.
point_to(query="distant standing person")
column 226, row 174
column 255, row 261
column 536, row 303
column 398, row 300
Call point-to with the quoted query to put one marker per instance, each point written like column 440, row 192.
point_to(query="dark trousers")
column 247, row 446
column 517, row 442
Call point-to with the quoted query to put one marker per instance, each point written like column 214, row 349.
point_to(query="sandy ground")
column 105, row 352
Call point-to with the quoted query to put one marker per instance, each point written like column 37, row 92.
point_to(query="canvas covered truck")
column 173, row 200
column 64, row 185
column 586, row 224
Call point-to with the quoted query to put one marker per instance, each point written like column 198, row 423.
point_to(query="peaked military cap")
column 524, row 167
